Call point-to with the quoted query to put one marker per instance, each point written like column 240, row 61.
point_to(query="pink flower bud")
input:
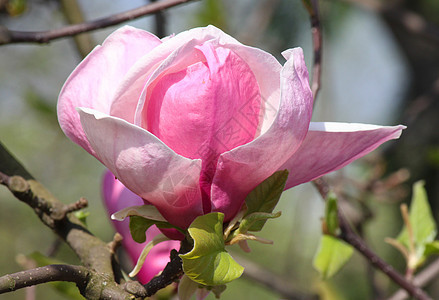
column 194, row 122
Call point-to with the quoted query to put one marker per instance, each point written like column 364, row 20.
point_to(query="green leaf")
column 218, row 290
column 82, row 216
column 139, row 226
column 208, row 263
column 431, row 248
column 331, row 214
column 255, row 221
column 67, row 289
column 331, row 256
column 265, row 196
column 421, row 219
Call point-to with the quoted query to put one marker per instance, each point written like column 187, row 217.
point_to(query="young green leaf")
column 431, row 248
column 217, row 290
column 331, row 255
column 139, row 226
column 331, row 214
column 82, row 216
column 265, row 196
column 255, row 221
column 422, row 222
column 208, row 263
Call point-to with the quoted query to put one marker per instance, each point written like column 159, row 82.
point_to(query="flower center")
column 206, row 109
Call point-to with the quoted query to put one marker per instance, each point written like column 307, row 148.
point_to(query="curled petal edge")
column 85, row 87
column 145, row 211
column 241, row 169
column 329, row 146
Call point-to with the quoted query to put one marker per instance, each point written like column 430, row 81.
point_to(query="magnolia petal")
column 146, row 211
column 266, row 70
column 142, row 257
column 146, row 166
column 140, row 74
column 87, row 87
column 116, row 196
column 264, row 66
column 218, row 111
column 168, row 55
column 331, row 146
column 240, row 170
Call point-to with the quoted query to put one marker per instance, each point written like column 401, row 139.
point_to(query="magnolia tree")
column 200, row 134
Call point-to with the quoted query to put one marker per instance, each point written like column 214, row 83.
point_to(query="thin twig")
column 171, row 273
column 160, row 22
column 423, row 278
column 73, row 13
column 115, row 243
column 72, row 207
column 10, row 36
column 54, row 247
column 316, row 31
column 349, row 236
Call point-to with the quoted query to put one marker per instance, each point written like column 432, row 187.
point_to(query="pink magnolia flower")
column 116, row 197
column 194, row 122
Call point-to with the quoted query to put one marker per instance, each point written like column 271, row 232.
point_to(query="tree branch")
column 170, row 274
column 349, row 236
column 94, row 253
column 13, row 282
column 10, row 36
column 97, row 257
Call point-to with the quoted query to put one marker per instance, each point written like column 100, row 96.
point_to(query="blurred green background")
column 374, row 71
